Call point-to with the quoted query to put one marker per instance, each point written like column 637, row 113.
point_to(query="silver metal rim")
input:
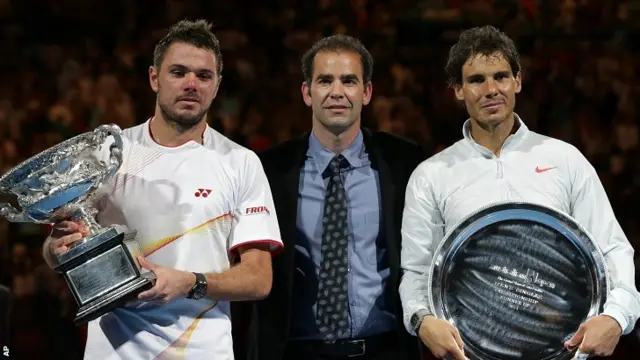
column 457, row 235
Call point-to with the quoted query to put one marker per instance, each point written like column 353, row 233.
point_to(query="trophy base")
column 112, row 300
column 102, row 272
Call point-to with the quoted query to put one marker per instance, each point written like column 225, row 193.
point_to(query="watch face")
column 414, row 320
column 199, row 292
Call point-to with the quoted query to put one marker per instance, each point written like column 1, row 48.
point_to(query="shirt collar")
column 511, row 139
column 354, row 153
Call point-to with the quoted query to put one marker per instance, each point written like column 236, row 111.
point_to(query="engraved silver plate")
column 517, row 280
column 60, row 183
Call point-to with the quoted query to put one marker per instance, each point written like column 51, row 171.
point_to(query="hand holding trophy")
column 58, row 185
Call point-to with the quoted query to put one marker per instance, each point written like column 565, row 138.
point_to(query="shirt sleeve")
column 254, row 217
column 422, row 230
column 591, row 208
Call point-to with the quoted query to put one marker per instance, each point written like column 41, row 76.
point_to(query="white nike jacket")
column 531, row 167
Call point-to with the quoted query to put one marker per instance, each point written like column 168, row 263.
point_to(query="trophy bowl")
column 59, row 184
column 517, row 280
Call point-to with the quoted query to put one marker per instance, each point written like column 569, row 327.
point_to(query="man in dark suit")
column 339, row 195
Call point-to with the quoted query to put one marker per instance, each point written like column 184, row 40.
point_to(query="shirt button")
column 353, row 303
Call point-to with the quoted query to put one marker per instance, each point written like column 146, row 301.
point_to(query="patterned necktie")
column 332, row 312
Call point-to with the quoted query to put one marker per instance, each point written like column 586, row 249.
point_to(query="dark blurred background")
column 69, row 65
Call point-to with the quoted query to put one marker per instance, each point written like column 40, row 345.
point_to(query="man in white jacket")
column 500, row 159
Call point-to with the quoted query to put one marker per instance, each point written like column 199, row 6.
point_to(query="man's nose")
column 337, row 89
column 491, row 88
column 190, row 82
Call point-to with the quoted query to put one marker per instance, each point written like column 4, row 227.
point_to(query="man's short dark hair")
column 337, row 43
column 485, row 40
column 197, row 33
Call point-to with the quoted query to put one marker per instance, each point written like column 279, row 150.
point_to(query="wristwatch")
column 416, row 319
column 199, row 289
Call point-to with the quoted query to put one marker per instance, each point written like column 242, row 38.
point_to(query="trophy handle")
column 115, row 149
column 9, row 204
column 84, row 212
column 6, row 209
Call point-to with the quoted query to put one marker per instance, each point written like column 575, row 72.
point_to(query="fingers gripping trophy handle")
column 87, row 216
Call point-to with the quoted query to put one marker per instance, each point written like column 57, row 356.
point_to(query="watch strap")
column 417, row 318
column 200, row 278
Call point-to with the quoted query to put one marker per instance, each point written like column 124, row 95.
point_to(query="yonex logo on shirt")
column 203, row 192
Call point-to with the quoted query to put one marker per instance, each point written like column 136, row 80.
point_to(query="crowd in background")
column 69, row 65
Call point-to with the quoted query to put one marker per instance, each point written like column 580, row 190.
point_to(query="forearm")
column 244, row 281
column 413, row 295
column 591, row 209
column 623, row 302
column 421, row 229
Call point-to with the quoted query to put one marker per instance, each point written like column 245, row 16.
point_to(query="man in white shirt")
column 199, row 202
column 500, row 159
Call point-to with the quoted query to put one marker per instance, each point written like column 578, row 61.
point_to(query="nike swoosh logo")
column 541, row 170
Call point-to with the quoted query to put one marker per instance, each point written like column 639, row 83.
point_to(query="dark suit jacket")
column 395, row 159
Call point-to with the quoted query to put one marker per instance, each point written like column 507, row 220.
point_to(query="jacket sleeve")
column 422, row 230
column 591, row 208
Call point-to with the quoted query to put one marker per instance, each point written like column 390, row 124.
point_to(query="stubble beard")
column 491, row 125
column 181, row 123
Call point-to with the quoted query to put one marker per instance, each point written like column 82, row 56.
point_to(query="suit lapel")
column 387, row 191
column 387, row 219
column 291, row 185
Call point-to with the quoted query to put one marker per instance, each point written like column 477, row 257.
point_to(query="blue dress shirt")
column 368, row 265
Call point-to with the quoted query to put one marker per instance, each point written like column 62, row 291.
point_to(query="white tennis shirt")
column 192, row 206
column 465, row 177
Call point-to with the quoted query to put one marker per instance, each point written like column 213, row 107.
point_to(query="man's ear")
column 215, row 92
column 368, row 92
column 305, row 89
column 153, row 78
column 457, row 89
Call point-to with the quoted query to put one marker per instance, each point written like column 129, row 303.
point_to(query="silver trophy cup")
column 60, row 184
